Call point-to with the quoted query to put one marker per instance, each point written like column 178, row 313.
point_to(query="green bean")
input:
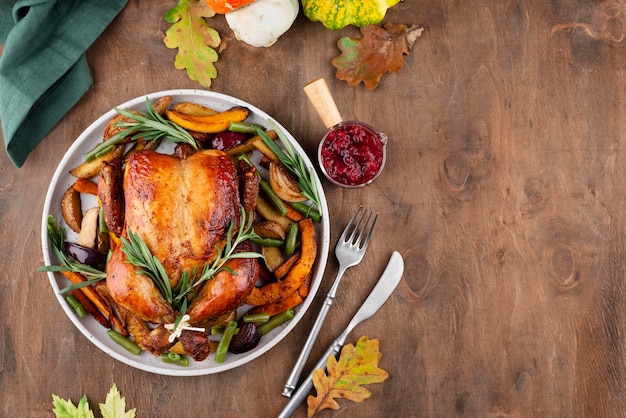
column 244, row 127
column 217, row 329
column 290, row 241
column 175, row 358
column 105, row 150
column 307, row 211
column 222, row 346
column 276, row 201
column 258, row 318
column 107, row 145
column 125, row 342
column 267, row 242
column 276, row 320
column 102, row 225
column 75, row 304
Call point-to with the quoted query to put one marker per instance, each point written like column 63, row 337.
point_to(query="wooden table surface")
column 503, row 190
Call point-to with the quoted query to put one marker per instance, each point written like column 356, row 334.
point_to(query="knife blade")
column 378, row 296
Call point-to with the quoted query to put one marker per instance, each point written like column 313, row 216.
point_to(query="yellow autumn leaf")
column 357, row 366
column 196, row 42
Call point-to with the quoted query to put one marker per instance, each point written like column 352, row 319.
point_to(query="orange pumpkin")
column 225, row 6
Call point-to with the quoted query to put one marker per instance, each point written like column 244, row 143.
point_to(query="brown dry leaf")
column 357, row 366
column 380, row 50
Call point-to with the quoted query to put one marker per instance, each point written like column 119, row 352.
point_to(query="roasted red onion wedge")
column 85, row 255
column 246, row 339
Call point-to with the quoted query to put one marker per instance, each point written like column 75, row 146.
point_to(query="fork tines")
column 353, row 229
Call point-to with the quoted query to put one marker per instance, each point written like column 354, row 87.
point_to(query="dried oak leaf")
column 195, row 40
column 380, row 50
column 357, row 366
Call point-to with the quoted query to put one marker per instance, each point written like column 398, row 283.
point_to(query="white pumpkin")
column 261, row 23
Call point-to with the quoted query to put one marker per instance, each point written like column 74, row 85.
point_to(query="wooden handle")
column 319, row 95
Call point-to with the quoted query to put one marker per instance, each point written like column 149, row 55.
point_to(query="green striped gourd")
column 337, row 14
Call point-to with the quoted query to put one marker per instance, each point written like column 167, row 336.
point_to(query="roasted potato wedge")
column 265, row 150
column 91, row 168
column 248, row 146
column 270, row 229
column 273, row 257
column 161, row 104
column 88, row 236
column 267, row 211
column 71, row 209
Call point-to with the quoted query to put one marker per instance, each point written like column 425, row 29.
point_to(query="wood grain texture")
column 503, row 190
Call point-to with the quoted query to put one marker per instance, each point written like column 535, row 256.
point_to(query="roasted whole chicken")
column 182, row 209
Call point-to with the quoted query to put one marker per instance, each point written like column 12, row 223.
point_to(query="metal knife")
column 377, row 297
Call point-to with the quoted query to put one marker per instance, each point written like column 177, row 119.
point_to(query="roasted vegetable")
column 71, row 209
column 211, row 123
column 267, row 211
column 270, row 229
column 88, row 235
column 86, row 186
column 284, row 184
column 274, row 292
column 249, row 145
column 226, row 140
column 85, row 255
column 92, row 167
column 273, row 257
column 246, row 339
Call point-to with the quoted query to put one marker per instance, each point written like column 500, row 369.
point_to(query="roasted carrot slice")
column 293, row 214
column 91, row 308
column 86, row 186
column 94, row 296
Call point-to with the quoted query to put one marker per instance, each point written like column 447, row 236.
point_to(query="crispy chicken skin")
column 225, row 290
column 181, row 209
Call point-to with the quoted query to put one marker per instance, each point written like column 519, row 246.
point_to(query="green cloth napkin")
column 43, row 70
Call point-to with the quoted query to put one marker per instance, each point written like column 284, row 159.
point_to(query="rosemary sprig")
column 245, row 232
column 57, row 239
column 138, row 254
column 294, row 163
column 147, row 125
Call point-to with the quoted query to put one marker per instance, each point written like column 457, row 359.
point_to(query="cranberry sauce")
column 352, row 153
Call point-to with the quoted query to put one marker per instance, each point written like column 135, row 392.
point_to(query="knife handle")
column 307, row 384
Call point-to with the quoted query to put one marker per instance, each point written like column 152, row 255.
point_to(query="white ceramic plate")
column 94, row 331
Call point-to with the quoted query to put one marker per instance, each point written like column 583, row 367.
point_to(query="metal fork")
column 349, row 252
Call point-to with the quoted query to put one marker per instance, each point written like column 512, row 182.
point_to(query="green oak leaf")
column 195, row 40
